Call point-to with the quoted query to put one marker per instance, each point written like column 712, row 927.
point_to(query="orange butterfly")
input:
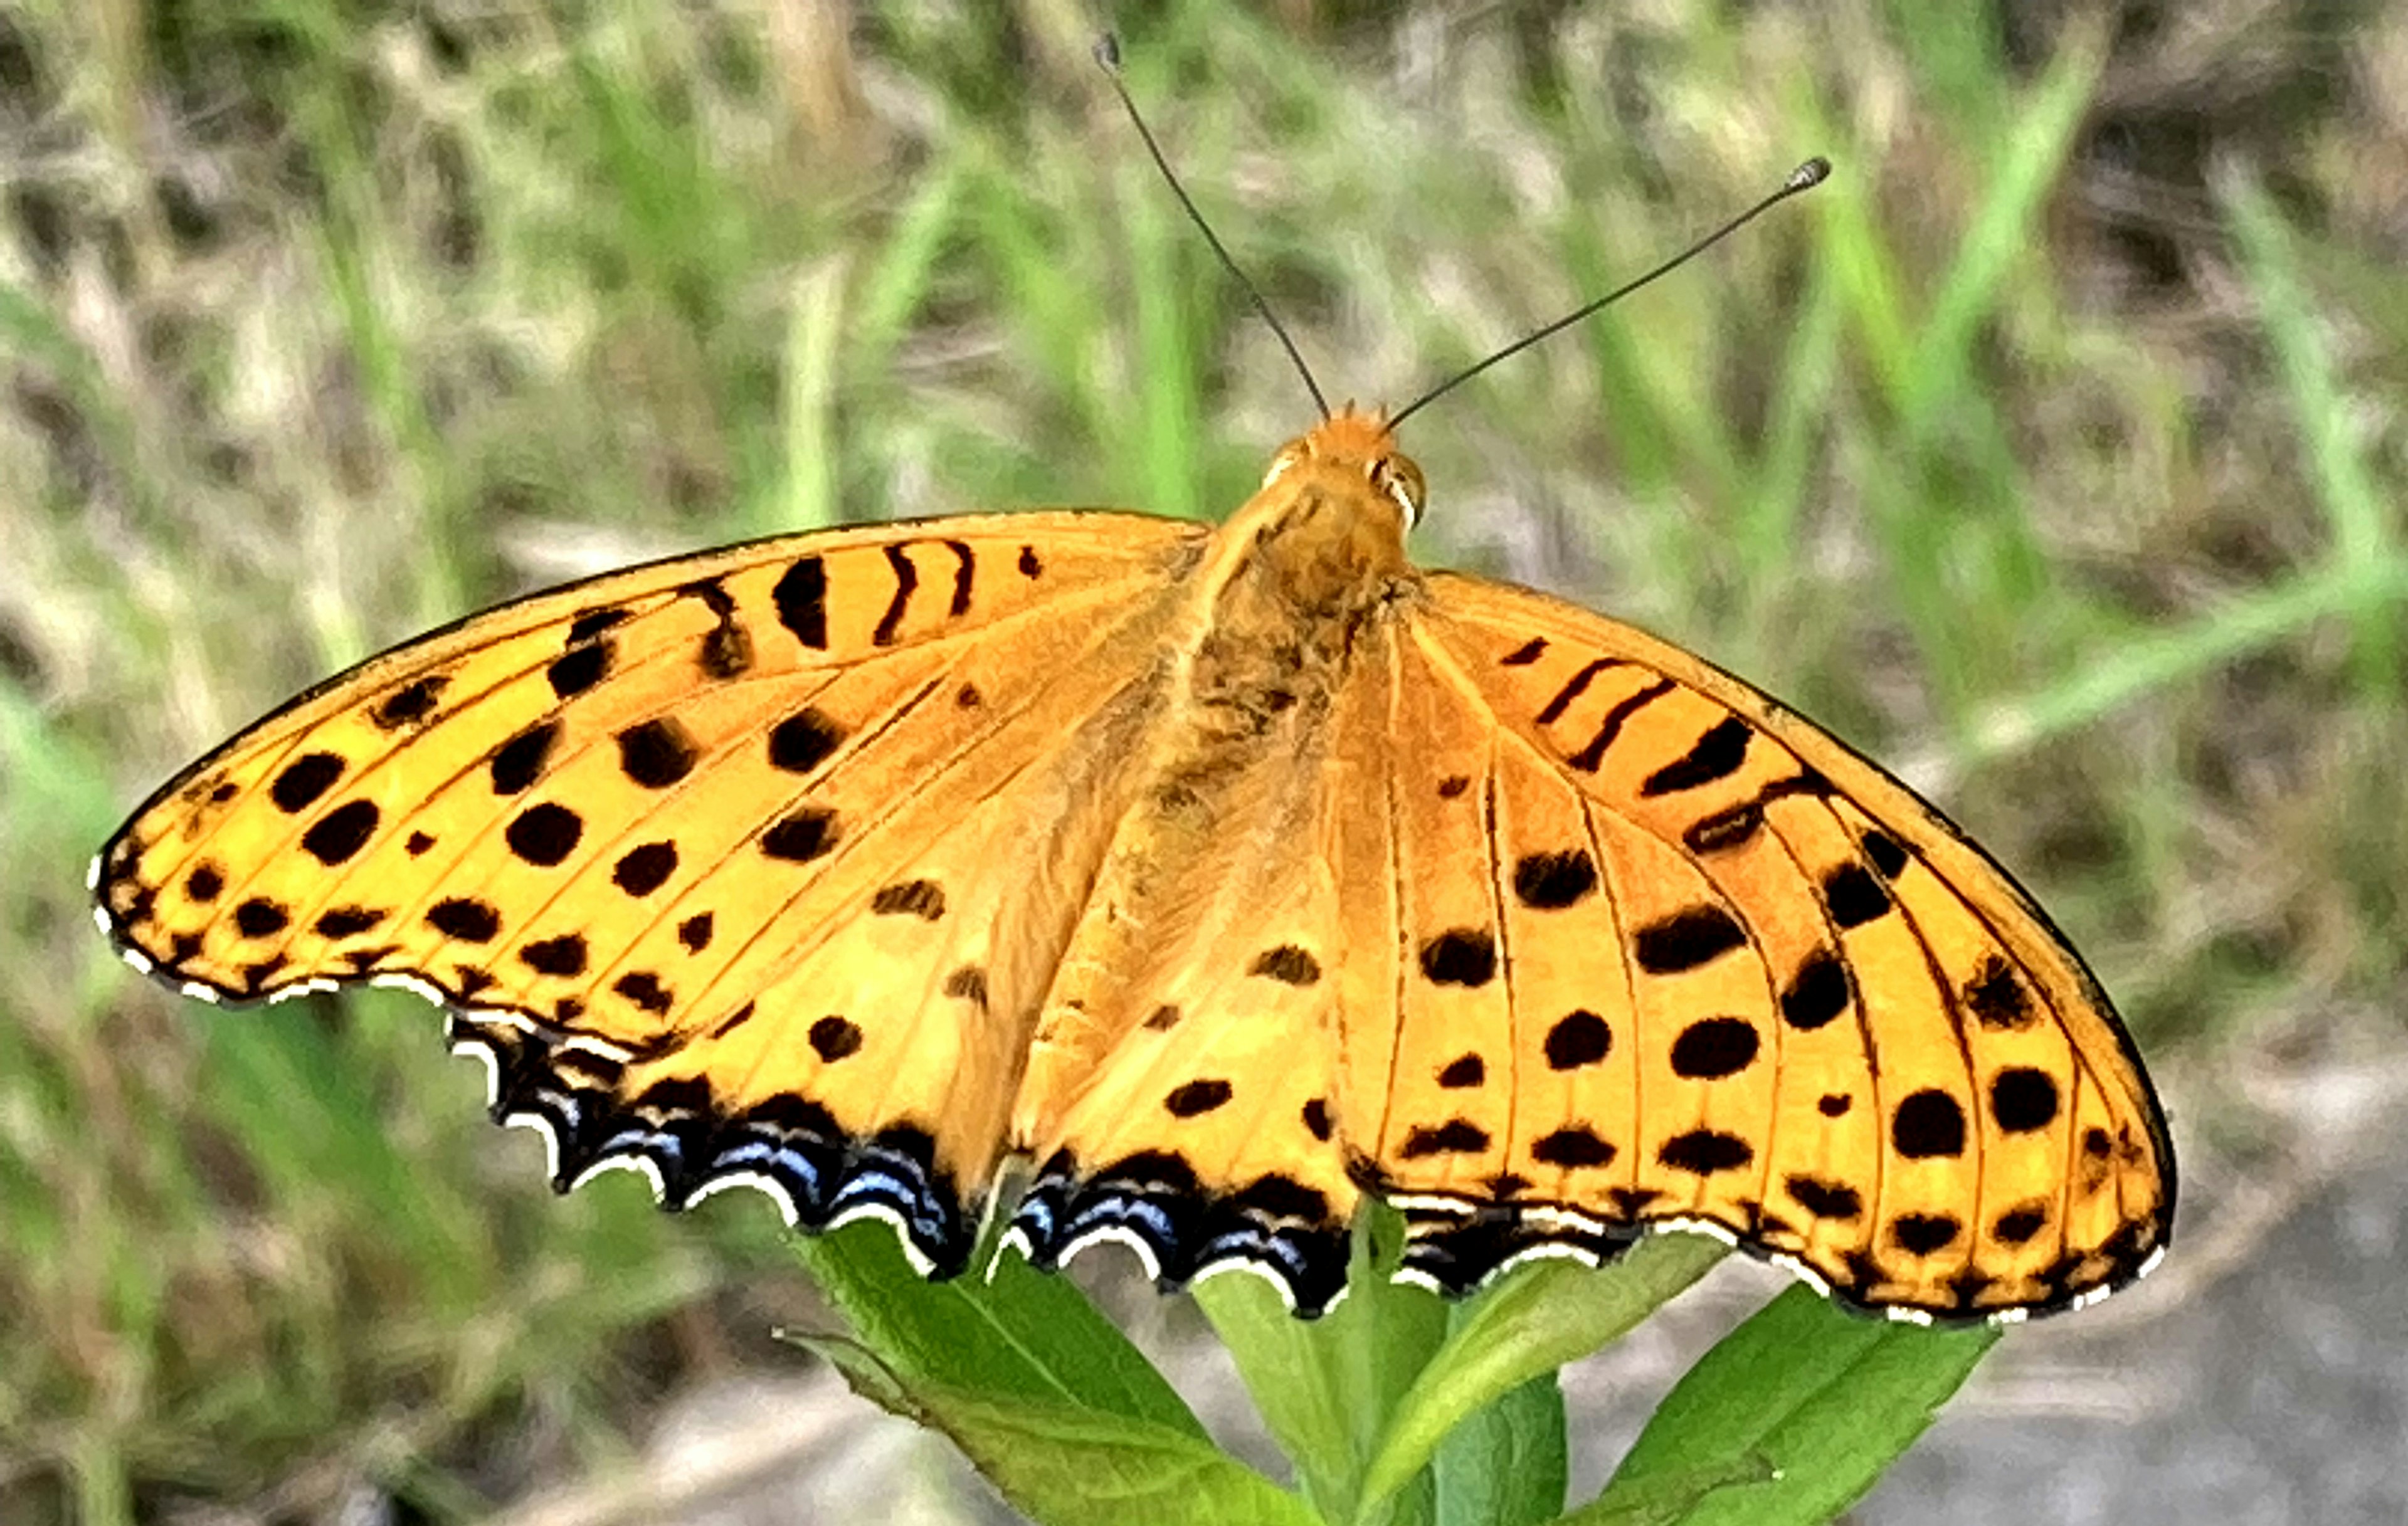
column 1230, row 874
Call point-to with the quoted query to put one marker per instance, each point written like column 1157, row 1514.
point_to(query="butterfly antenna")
column 1804, row 177
column 1108, row 54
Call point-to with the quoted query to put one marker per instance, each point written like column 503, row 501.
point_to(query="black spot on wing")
column 1854, row 896
column 578, row 669
column 342, row 832
column 1996, row 998
column 260, row 918
column 1580, row 1038
column 1922, row 1234
column 801, row 601
column 727, row 646
column 804, row 740
column 300, row 782
column 411, row 703
column 656, row 754
column 1686, row 939
column 807, row 835
column 1703, row 1152
column 588, row 623
column 563, row 957
column 1818, row 992
column 1725, row 829
column 1288, row 965
column 1573, row 1147
column 2017, row 1225
column 346, row 921
column 1825, row 1198
column 544, row 834
column 1929, row 1124
column 645, row 990
column 921, row 898
column 967, row 983
column 1455, row 1136
column 1711, row 1048
column 1553, row 881
column 518, row 763
column 465, row 918
column 1192, row 1099
column 1460, row 956
column 833, row 1038
column 2023, row 1100
column 645, row 868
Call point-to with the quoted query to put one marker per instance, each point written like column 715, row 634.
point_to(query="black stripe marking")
column 1573, row 689
column 964, row 576
column 1587, row 757
column 907, row 579
column 1716, row 755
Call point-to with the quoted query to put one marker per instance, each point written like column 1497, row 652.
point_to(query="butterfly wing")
column 723, row 862
column 1190, row 1114
column 1709, row 967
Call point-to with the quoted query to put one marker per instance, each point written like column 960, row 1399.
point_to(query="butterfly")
column 1226, row 877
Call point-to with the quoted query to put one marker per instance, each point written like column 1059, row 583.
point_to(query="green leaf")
column 1327, row 1387
column 1672, row 1497
column 1828, row 1398
column 1533, row 1323
column 1063, row 1465
column 1508, row 1464
column 1019, row 1333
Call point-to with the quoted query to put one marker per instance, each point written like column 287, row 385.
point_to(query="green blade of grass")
column 2365, row 541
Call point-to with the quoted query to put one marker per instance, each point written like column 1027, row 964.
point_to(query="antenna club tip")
column 1108, row 52
column 1808, row 174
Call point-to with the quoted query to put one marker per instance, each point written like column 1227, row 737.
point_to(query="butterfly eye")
column 1400, row 480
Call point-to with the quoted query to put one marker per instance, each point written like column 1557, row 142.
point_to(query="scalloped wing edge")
column 820, row 1177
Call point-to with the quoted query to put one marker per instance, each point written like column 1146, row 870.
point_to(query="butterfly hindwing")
column 1742, row 978
column 724, row 861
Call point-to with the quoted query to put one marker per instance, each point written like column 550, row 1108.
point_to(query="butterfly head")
column 1356, row 447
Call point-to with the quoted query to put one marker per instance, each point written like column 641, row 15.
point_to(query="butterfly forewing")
column 738, row 833
column 1845, row 1037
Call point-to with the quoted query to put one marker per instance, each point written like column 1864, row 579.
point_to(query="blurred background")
column 2051, row 454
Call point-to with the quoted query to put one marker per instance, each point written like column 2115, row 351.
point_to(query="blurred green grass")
column 2039, row 453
